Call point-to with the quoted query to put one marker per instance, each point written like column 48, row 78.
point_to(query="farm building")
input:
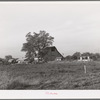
column 51, row 54
column 84, row 58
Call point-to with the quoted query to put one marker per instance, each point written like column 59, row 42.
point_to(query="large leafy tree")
column 35, row 44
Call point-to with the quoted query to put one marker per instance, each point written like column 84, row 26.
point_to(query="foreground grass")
column 55, row 75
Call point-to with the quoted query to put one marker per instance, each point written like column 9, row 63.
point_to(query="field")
column 50, row 76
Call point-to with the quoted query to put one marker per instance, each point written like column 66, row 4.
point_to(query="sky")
column 74, row 25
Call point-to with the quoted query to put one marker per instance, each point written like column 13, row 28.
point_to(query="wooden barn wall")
column 51, row 55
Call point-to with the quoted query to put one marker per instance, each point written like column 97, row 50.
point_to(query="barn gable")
column 51, row 53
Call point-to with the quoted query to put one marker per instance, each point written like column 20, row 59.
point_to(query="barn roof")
column 50, row 47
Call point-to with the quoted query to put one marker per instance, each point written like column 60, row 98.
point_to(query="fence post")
column 85, row 69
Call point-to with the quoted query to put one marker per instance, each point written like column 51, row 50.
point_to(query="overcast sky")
column 74, row 25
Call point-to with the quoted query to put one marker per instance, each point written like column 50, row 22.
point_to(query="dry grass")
column 55, row 75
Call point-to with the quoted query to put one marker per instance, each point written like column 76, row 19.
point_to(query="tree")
column 8, row 57
column 95, row 56
column 86, row 54
column 76, row 55
column 69, row 58
column 35, row 44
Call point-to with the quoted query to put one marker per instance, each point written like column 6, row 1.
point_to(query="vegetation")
column 35, row 44
column 53, row 75
column 76, row 55
column 8, row 57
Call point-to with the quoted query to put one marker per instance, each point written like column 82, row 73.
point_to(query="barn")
column 51, row 54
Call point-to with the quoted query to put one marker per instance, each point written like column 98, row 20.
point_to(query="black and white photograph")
column 50, row 45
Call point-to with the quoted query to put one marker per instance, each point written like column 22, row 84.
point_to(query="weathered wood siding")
column 52, row 54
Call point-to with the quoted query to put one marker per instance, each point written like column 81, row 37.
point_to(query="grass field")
column 50, row 76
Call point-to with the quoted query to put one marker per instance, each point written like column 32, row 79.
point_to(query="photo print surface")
column 50, row 46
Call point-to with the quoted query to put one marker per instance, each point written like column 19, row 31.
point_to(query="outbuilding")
column 52, row 54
